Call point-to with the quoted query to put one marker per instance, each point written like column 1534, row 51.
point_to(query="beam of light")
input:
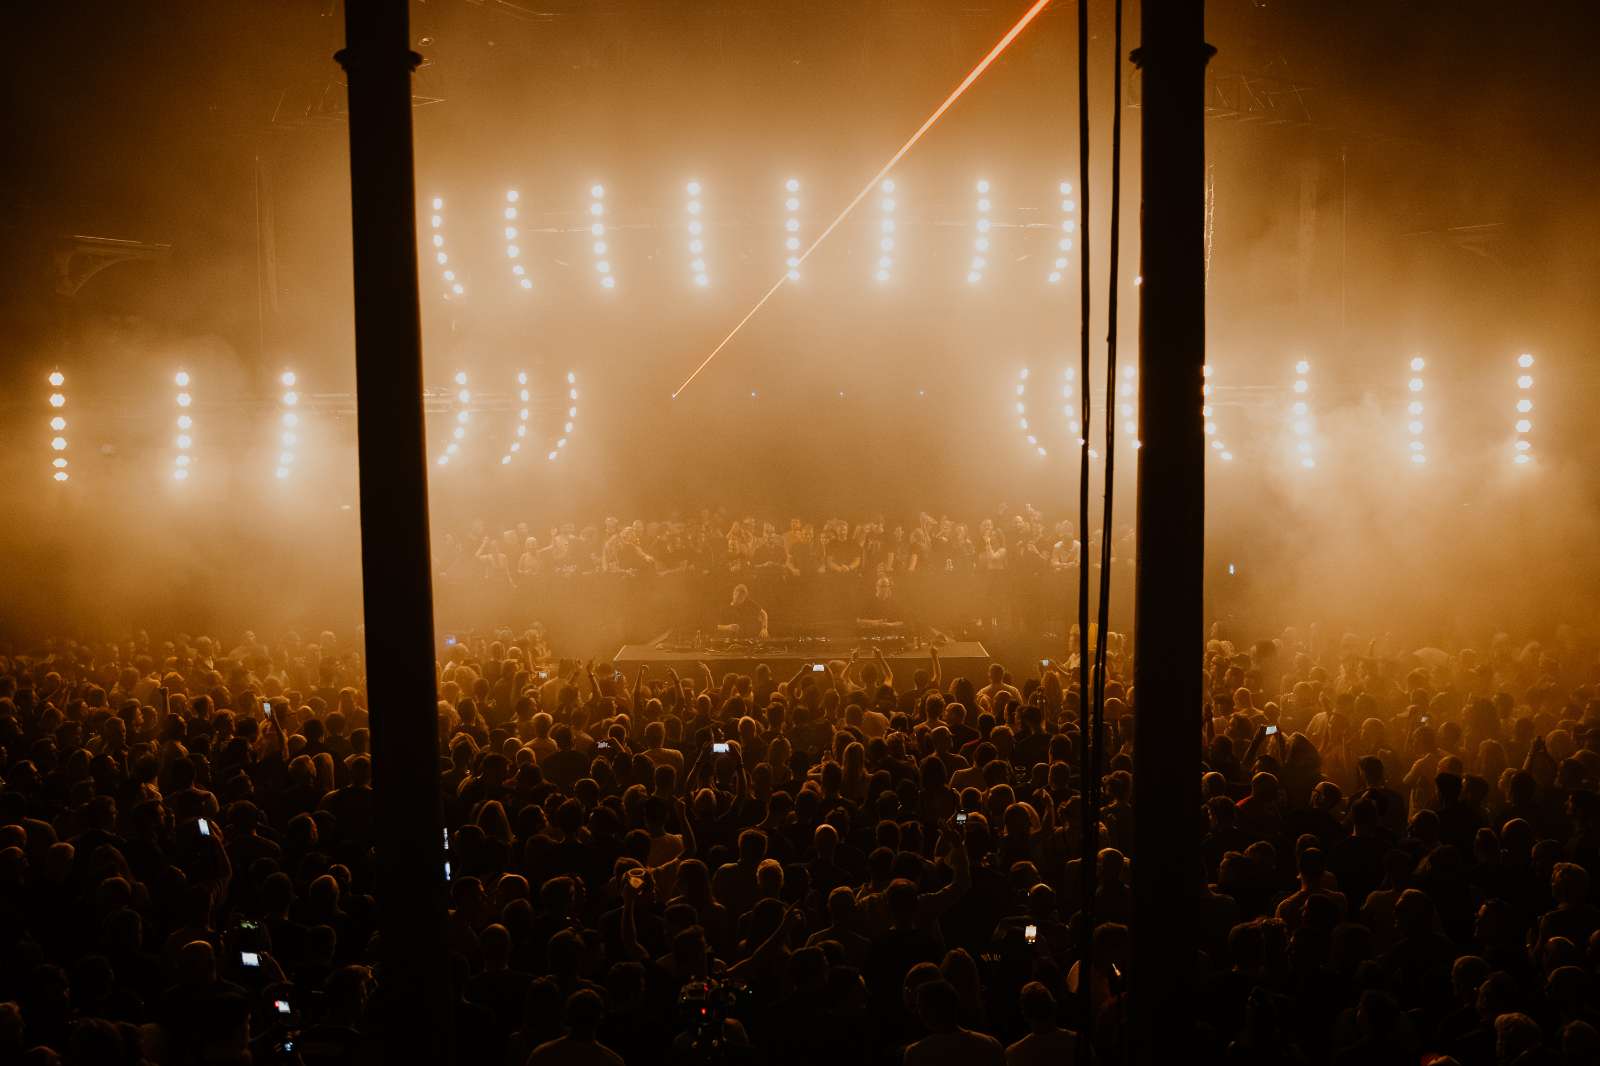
column 1414, row 425
column 1069, row 226
column 597, row 230
column 289, row 420
column 58, row 425
column 185, row 422
column 1522, row 446
column 513, row 250
column 973, row 75
column 447, row 272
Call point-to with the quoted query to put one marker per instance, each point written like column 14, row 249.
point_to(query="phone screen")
column 205, row 828
column 281, row 1006
column 961, row 817
column 1030, row 933
column 1271, row 729
column 266, row 708
column 720, row 747
column 817, row 668
column 1044, row 662
column 249, row 958
column 449, row 642
column 602, row 745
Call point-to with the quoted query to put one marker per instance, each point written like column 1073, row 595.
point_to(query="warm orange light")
column 973, row 75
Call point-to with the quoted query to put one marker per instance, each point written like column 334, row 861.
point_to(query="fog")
column 1419, row 186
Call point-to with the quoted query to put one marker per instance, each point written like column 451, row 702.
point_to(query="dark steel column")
column 1169, row 622
column 396, row 565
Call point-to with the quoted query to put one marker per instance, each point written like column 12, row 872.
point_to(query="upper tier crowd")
column 718, row 542
column 858, row 865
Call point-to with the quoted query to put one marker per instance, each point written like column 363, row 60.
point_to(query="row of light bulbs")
column 453, row 287
column 1302, row 423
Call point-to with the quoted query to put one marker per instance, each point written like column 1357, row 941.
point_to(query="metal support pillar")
column 1168, row 597
column 396, row 566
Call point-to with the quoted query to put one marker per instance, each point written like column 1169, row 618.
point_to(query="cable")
column 1088, row 851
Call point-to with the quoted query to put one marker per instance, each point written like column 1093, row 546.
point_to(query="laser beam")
column 973, row 75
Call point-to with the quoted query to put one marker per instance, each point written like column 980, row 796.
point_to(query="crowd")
column 717, row 542
column 854, row 865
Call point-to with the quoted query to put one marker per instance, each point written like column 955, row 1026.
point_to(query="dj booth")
column 905, row 654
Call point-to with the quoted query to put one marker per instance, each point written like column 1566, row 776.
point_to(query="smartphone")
column 720, row 747
column 602, row 745
column 205, row 827
column 449, row 641
column 282, row 1006
column 247, row 926
column 961, row 817
column 817, row 668
column 1030, row 933
column 249, row 958
column 1271, row 729
column 446, row 833
column 266, row 708
column 1045, row 663
column 1423, row 719
column 544, row 675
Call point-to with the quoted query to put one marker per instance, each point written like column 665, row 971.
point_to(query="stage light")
column 185, row 422
column 981, row 244
column 1415, row 445
column 58, row 425
column 597, row 229
column 1127, row 404
column 451, row 285
column 1300, row 416
column 697, row 263
column 288, row 438
column 1522, row 446
column 791, row 228
column 886, row 224
column 520, row 433
column 1022, row 413
column 463, row 417
column 1207, row 412
column 1069, row 224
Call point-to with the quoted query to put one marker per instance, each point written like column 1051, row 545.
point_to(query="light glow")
column 463, row 417
column 1522, row 427
column 980, row 247
column 451, row 287
column 791, row 229
column 1063, row 240
column 599, row 245
column 184, row 441
column 288, row 420
column 1301, row 422
column 883, row 172
column 1416, row 446
column 58, row 426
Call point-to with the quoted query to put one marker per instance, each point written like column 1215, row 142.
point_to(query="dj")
column 883, row 610
column 744, row 616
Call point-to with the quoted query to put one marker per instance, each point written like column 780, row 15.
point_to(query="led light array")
column 697, row 229
column 58, row 425
column 463, row 416
column 597, row 230
column 1127, row 404
column 1069, row 409
column 1069, row 227
column 572, row 417
column 1414, row 424
column 886, row 206
column 1523, row 446
column 185, row 421
column 1022, row 412
column 522, row 419
column 513, row 249
column 980, row 244
column 289, row 423
column 447, row 274
column 1300, row 415
column 791, row 227
column 1206, row 412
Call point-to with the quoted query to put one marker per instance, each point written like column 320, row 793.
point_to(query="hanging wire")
column 1087, row 755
